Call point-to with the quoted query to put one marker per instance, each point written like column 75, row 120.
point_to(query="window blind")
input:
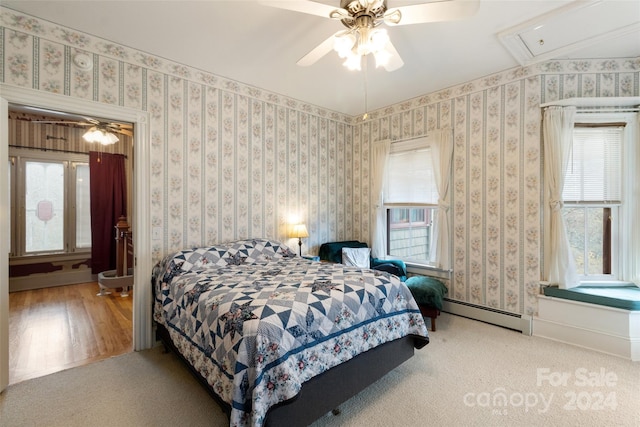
column 594, row 169
column 409, row 178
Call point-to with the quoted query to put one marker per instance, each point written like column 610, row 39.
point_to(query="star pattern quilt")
column 257, row 321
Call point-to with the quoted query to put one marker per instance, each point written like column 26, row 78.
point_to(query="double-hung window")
column 411, row 201
column 596, row 196
column 50, row 207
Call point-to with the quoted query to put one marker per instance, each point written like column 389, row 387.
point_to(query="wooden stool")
column 431, row 313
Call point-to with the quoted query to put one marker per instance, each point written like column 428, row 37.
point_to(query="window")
column 410, row 198
column 594, row 202
column 50, row 207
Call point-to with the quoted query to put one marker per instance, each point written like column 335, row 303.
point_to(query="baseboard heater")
column 517, row 322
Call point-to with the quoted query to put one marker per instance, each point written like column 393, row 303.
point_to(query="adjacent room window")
column 49, row 204
column 410, row 199
column 593, row 199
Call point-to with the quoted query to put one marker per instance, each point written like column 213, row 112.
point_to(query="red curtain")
column 108, row 203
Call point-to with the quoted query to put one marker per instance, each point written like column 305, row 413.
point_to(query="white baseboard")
column 606, row 329
column 48, row 280
column 517, row 322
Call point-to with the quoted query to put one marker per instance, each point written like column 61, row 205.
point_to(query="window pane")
column 44, row 206
column 410, row 238
column 83, row 207
column 594, row 240
column 594, row 173
column 588, row 238
column 574, row 222
column 409, row 178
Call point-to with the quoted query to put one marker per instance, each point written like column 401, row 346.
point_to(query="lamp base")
column 300, row 245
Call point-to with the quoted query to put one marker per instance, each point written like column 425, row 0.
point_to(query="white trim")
column 513, row 38
column 4, row 244
column 606, row 329
column 596, row 102
column 413, row 144
column 142, row 322
column 622, row 268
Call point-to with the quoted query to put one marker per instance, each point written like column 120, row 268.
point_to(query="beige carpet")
column 461, row 378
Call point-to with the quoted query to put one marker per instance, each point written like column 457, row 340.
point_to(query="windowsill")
column 40, row 258
column 624, row 296
column 428, row 270
column 604, row 283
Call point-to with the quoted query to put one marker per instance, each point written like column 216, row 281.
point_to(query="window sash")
column 67, row 208
column 409, row 232
column 594, row 243
column 409, row 176
column 45, row 207
column 594, row 171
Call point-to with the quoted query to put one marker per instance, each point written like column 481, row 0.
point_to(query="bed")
column 278, row 339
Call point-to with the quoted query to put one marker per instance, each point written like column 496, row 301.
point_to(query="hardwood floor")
column 58, row 328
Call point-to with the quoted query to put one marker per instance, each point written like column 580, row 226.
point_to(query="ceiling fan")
column 100, row 131
column 362, row 19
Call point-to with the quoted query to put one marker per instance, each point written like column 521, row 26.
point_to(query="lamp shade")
column 299, row 231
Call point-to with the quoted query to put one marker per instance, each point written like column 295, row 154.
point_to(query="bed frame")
column 328, row 390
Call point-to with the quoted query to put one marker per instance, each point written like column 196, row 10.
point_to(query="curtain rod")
column 599, row 125
column 607, row 110
column 57, row 150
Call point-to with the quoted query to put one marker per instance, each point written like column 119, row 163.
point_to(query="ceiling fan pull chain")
column 364, row 72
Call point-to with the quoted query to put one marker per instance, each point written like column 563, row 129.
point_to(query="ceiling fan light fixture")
column 102, row 136
column 343, row 44
column 392, row 17
column 382, row 58
column 353, row 62
column 378, row 40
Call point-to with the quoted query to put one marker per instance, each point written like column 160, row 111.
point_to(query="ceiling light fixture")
column 100, row 135
column 363, row 38
column 362, row 18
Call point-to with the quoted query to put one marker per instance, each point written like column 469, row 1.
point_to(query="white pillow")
column 357, row 257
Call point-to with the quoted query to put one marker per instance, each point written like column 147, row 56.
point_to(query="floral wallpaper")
column 231, row 161
column 228, row 161
column 497, row 168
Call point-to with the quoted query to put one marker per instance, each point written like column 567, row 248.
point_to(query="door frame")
column 142, row 300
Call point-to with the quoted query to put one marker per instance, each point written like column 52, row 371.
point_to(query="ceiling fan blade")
column 395, row 61
column 449, row 10
column 319, row 51
column 304, row 6
column 61, row 122
column 124, row 132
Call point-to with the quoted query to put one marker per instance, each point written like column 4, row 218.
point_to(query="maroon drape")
column 108, row 203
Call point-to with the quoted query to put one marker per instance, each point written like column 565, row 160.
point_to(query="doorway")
column 59, row 316
column 142, row 322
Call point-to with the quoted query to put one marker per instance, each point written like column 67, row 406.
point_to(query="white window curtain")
column 631, row 268
column 380, row 155
column 441, row 158
column 557, row 131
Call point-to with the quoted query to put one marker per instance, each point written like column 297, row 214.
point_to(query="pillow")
column 357, row 257
column 389, row 268
column 427, row 290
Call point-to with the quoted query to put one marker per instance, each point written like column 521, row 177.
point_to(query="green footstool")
column 428, row 293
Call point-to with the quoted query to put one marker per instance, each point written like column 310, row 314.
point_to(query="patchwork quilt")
column 257, row 321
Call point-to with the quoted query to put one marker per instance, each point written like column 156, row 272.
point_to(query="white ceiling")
column 259, row 45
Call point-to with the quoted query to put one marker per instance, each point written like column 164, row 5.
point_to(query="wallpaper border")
column 53, row 32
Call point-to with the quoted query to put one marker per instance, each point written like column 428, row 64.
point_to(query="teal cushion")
column 626, row 297
column 427, row 290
